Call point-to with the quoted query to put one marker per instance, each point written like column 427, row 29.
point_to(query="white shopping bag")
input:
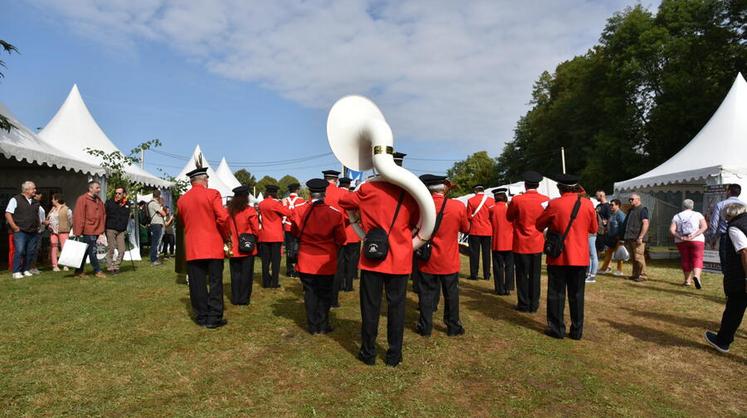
column 621, row 254
column 73, row 253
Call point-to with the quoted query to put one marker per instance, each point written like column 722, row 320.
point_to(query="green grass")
column 125, row 346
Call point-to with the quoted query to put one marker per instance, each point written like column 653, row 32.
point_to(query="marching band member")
column 347, row 262
column 333, row 193
column 292, row 201
column 568, row 271
column 523, row 212
column 242, row 219
column 503, row 236
column 320, row 230
column 441, row 270
column 480, row 232
column 271, row 236
column 205, row 232
column 388, row 207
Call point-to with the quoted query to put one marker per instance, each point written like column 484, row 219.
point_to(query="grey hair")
column 732, row 211
column 688, row 204
column 198, row 178
column 438, row 188
column 26, row 185
column 317, row 195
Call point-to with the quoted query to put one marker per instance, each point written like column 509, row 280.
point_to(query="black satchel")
column 424, row 253
column 376, row 241
column 247, row 242
column 555, row 241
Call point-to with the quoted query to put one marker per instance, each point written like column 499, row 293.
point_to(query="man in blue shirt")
column 717, row 225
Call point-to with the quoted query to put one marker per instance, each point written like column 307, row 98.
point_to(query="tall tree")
column 264, row 182
column 9, row 48
column 477, row 168
column 245, row 178
column 285, row 181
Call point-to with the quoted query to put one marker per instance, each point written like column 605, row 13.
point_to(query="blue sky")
column 253, row 81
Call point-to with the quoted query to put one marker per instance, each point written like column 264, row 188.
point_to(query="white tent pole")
column 562, row 157
column 142, row 158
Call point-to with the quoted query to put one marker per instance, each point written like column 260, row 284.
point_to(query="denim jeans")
column 156, row 231
column 90, row 253
column 25, row 244
column 593, row 258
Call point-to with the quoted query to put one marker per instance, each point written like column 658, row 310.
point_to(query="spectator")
column 591, row 270
column 636, row 235
column 39, row 197
column 60, row 223
column 169, row 238
column 734, row 267
column 687, row 229
column 604, row 213
column 117, row 218
column 613, row 238
column 717, row 229
column 89, row 220
column 156, row 213
column 22, row 216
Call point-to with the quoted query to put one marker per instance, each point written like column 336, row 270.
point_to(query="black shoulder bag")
column 247, row 242
column 424, row 252
column 293, row 249
column 555, row 241
column 376, row 241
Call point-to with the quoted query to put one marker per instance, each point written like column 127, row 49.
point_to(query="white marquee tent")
column 215, row 181
column 715, row 156
column 74, row 129
column 226, row 175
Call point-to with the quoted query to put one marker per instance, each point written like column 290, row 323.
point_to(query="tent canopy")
column 226, row 175
column 22, row 144
column 74, row 129
column 215, row 181
column 718, row 150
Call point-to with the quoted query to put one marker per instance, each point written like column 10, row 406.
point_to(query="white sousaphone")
column 361, row 139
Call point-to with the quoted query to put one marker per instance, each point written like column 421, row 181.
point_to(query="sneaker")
column 55, row 268
column 35, row 271
column 101, row 275
column 608, row 271
column 156, row 263
column 65, row 268
column 18, row 275
column 591, row 279
column 618, row 273
column 698, row 284
column 710, row 338
column 27, row 273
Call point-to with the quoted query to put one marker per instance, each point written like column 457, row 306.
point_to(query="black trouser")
column 167, row 244
column 242, row 278
column 430, row 285
column 291, row 247
column 559, row 279
column 270, row 253
column 206, row 304
column 350, row 255
column 528, row 270
column 317, row 297
column 416, row 275
column 503, row 272
column 476, row 243
column 732, row 317
column 372, row 284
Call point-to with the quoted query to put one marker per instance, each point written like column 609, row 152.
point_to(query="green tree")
column 285, row 181
column 264, row 182
column 7, row 47
column 246, row 178
column 115, row 163
column 477, row 168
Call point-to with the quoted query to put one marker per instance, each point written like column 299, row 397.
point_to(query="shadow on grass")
column 683, row 321
column 682, row 292
column 483, row 300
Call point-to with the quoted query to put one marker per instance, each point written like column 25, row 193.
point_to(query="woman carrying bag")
column 244, row 226
column 60, row 220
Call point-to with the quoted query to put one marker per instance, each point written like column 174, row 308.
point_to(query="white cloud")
column 450, row 71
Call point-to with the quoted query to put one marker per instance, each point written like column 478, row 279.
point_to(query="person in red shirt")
column 292, row 201
column 441, row 270
column 480, row 232
column 206, row 231
column 568, row 271
column 271, row 236
column 347, row 261
column 503, row 238
column 332, row 193
column 378, row 203
column 320, row 229
column 523, row 212
column 242, row 219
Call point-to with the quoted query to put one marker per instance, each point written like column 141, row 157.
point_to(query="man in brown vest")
column 22, row 216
